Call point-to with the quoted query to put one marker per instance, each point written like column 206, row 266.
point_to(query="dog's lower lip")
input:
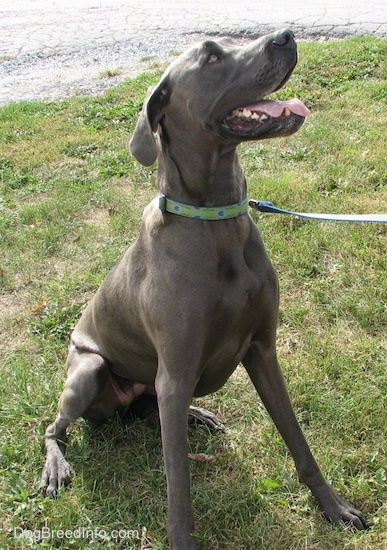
column 249, row 128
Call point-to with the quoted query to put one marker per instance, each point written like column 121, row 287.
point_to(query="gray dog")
column 196, row 293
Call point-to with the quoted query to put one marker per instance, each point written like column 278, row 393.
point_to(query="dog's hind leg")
column 87, row 377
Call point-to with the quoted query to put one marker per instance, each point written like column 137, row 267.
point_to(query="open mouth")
column 267, row 118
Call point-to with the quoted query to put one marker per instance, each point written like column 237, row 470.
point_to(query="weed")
column 111, row 73
column 56, row 322
column 81, row 151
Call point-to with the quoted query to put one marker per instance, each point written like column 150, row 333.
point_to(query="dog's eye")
column 213, row 58
column 213, row 52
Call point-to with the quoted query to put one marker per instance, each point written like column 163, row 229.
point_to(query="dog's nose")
column 284, row 37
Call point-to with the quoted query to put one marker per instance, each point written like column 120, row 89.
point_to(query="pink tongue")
column 276, row 108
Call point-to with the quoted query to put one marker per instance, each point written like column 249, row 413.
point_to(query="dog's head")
column 222, row 88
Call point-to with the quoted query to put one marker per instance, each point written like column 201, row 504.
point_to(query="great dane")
column 196, row 293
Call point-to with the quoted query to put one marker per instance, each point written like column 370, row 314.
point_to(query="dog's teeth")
column 246, row 113
column 287, row 112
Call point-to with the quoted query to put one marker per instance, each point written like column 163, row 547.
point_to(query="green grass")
column 71, row 201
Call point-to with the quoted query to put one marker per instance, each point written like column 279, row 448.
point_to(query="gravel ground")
column 52, row 77
column 48, row 77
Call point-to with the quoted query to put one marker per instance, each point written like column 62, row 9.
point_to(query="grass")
column 71, row 202
column 111, row 73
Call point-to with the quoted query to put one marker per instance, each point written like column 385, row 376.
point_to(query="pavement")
column 51, row 49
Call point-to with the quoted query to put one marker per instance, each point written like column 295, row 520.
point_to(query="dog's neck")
column 211, row 176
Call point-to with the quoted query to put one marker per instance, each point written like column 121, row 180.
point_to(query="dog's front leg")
column 262, row 365
column 87, row 373
column 174, row 397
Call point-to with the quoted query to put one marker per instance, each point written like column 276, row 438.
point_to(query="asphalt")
column 50, row 49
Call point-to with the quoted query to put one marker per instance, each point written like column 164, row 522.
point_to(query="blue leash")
column 267, row 206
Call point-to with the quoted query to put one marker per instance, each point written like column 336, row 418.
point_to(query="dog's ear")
column 142, row 145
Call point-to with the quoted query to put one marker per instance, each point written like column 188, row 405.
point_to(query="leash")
column 235, row 210
column 267, row 206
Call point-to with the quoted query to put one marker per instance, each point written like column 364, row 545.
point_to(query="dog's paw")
column 56, row 473
column 338, row 511
column 197, row 415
